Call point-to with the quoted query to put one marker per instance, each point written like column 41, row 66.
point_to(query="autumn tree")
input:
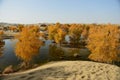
column 65, row 27
column 60, row 36
column 12, row 28
column 56, row 33
column 85, row 31
column 52, row 30
column 75, row 32
column 1, row 32
column 20, row 27
column 29, row 43
column 104, row 43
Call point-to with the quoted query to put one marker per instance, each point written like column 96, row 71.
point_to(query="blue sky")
column 63, row 11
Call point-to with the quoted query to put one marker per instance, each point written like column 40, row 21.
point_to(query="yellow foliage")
column 29, row 43
column 42, row 35
column 55, row 32
column 1, row 32
column 59, row 36
column 12, row 28
column 85, row 32
column 52, row 30
column 75, row 32
column 20, row 27
column 65, row 27
column 103, row 42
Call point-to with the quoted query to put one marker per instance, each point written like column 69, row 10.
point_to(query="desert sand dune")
column 69, row 70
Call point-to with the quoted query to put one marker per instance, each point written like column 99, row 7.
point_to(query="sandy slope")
column 69, row 70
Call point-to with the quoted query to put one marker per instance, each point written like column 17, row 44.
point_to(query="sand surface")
column 69, row 70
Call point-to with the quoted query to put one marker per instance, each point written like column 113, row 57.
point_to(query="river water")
column 46, row 53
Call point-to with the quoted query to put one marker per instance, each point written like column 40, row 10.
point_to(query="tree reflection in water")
column 55, row 52
column 2, row 43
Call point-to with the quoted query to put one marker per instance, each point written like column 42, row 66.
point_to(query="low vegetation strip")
column 69, row 70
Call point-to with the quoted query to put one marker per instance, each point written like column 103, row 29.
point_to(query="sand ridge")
column 69, row 70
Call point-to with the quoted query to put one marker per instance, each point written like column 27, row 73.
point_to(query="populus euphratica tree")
column 104, row 43
column 56, row 33
column 59, row 36
column 29, row 43
column 75, row 32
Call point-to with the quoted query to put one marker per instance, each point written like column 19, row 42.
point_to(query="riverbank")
column 8, row 35
column 69, row 70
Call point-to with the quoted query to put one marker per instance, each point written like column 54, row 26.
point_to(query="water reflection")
column 2, row 43
column 26, row 50
column 56, row 52
column 48, row 52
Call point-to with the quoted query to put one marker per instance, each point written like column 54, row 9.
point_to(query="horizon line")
column 58, row 22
